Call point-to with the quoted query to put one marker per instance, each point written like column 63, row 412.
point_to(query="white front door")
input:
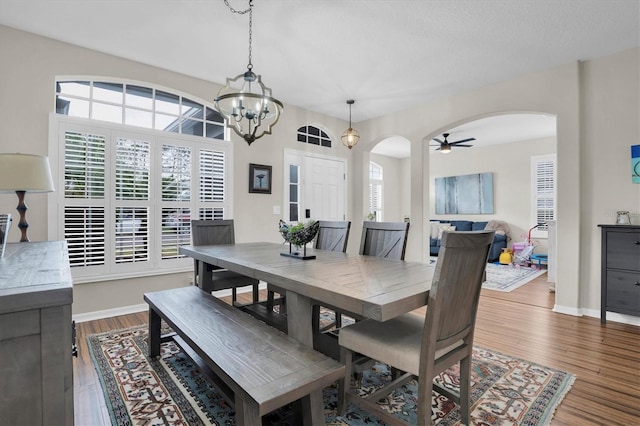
column 314, row 187
column 324, row 189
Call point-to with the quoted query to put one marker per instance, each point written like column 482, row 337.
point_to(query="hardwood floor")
column 605, row 359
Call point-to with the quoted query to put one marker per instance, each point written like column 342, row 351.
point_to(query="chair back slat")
column 384, row 239
column 212, row 232
column 455, row 290
column 333, row 235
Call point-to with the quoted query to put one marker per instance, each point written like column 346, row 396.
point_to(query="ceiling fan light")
column 445, row 149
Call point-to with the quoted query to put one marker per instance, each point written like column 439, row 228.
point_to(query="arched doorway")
column 508, row 147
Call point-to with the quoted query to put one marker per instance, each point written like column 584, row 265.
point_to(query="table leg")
column 246, row 413
column 299, row 324
column 154, row 333
column 299, row 318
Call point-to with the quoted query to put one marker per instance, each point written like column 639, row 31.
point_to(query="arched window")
column 313, row 136
column 140, row 106
column 127, row 194
column 375, row 192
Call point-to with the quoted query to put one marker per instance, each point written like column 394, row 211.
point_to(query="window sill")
column 129, row 275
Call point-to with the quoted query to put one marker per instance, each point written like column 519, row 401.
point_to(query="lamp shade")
column 25, row 172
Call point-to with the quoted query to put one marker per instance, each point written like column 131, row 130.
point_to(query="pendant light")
column 350, row 137
column 245, row 102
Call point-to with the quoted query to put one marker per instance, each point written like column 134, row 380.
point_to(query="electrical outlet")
column 276, row 210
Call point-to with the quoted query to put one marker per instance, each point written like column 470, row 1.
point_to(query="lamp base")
column 22, row 210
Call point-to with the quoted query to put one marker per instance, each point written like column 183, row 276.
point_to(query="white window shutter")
column 543, row 179
column 84, row 231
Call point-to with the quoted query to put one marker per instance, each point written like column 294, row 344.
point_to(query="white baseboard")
column 132, row 309
column 594, row 313
column 108, row 313
column 576, row 312
column 613, row 316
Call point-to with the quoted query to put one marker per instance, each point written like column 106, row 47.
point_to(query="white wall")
column 597, row 105
column 28, row 70
column 510, row 164
column 610, row 88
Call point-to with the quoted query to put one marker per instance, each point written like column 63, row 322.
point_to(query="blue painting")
column 465, row 194
column 635, row 163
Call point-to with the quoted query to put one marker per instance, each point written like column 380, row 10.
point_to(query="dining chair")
column 384, row 239
column 424, row 346
column 379, row 239
column 211, row 278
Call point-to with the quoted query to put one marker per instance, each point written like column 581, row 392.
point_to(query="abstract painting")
column 465, row 194
column 635, row 163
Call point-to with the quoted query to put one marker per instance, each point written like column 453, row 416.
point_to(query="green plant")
column 300, row 233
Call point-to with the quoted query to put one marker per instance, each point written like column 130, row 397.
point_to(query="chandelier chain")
column 244, row 12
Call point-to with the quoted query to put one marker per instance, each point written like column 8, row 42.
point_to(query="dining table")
column 366, row 286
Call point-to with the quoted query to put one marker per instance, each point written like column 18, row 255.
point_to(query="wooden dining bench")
column 256, row 368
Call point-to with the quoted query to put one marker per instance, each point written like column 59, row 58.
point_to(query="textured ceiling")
column 388, row 55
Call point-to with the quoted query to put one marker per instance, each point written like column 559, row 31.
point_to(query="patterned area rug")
column 508, row 278
column 170, row 390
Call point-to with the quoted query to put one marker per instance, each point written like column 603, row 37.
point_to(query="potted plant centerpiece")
column 299, row 235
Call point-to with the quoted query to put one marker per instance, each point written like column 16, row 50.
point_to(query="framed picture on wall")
column 259, row 179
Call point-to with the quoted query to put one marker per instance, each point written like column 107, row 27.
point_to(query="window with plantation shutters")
column 84, row 193
column 543, row 180
column 130, row 195
column 176, row 196
column 132, row 173
column 375, row 192
column 212, row 168
column 84, row 232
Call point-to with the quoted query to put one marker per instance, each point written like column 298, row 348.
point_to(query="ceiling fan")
column 445, row 146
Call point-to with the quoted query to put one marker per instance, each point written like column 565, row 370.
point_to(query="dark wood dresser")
column 620, row 270
column 36, row 368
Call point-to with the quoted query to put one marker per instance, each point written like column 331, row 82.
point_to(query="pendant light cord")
column 244, row 12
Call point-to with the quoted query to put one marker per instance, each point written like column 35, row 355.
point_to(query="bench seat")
column 263, row 367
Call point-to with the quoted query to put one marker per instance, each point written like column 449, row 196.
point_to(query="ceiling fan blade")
column 437, row 140
column 462, row 141
column 464, row 146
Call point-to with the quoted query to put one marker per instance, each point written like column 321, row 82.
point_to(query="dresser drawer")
column 623, row 250
column 623, row 291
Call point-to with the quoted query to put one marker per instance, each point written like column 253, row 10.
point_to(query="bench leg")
column 246, row 413
column 313, row 409
column 154, row 333
column 256, row 294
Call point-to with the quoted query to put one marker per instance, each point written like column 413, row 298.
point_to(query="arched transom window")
column 314, row 136
column 140, row 106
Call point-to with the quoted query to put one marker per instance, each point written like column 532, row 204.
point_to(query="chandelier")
column 245, row 102
column 350, row 137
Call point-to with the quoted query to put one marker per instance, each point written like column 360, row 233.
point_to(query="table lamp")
column 24, row 173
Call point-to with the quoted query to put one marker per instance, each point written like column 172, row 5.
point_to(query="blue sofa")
column 499, row 241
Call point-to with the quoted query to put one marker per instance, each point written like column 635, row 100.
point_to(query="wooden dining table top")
column 367, row 286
